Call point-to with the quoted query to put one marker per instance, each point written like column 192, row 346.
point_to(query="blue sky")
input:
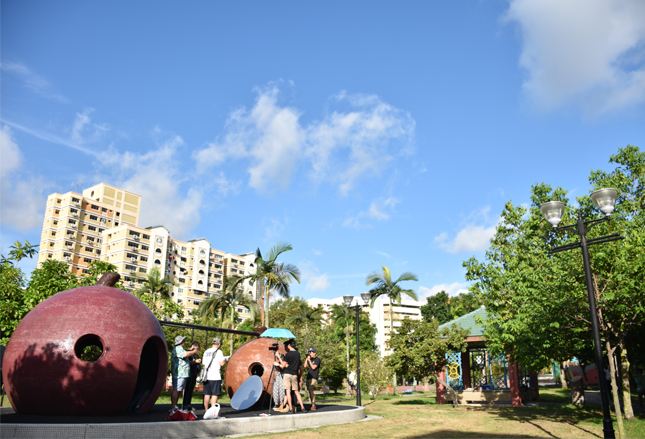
column 363, row 133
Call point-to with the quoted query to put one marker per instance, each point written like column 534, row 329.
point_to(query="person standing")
column 352, row 382
column 640, row 388
column 180, row 368
column 279, row 398
column 312, row 363
column 292, row 365
column 194, row 363
column 213, row 361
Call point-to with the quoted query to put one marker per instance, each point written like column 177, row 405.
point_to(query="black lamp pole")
column 581, row 228
column 357, row 308
column 358, row 359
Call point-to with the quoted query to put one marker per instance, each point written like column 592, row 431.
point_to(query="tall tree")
column 155, row 294
column 437, row 308
column 340, row 314
column 385, row 286
column 419, row 349
column 12, row 300
column 308, row 319
column 273, row 276
column 95, row 270
column 538, row 302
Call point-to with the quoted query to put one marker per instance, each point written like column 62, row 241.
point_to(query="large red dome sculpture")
column 86, row 351
column 254, row 357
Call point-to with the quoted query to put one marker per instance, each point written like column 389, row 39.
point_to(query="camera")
column 274, row 347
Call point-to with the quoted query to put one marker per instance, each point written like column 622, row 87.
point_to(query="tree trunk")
column 455, row 398
column 563, row 378
column 266, row 303
column 391, row 334
column 349, row 388
column 232, row 327
column 624, row 364
column 614, row 390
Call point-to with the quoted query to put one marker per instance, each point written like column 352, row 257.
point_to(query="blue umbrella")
column 277, row 333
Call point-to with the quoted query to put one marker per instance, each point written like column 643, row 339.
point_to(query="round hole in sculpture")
column 89, row 348
column 256, row 369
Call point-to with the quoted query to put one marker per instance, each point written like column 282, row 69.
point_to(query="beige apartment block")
column 73, row 224
column 195, row 270
column 102, row 224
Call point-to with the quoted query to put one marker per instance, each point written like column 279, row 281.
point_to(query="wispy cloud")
column 587, row 53
column 312, row 278
column 453, row 289
column 383, row 254
column 34, row 82
column 474, row 236
column 340, row 149
column 380, row 210
column 49, row 137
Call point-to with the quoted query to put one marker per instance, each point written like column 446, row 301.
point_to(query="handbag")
column 201, row 378
column 212, row 412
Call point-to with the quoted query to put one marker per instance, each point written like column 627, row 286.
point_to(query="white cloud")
column 380, row 209
column 587, row 52
column 346, row 146
column 21, row 200
column 268, row 135
column 84, row 130
column 157, row 177
column 383, row 254
column 453, row 289
column 310, row 275
column 472, row 237
column 31, row 80
column 273, row 229
column 340, row 149
column 317, row 252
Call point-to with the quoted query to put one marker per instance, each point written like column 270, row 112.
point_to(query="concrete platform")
column 152, row 425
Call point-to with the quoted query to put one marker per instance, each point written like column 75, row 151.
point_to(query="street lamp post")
column 348, row 301
column 605, row 200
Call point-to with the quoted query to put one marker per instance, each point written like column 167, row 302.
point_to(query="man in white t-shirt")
column 213, row 360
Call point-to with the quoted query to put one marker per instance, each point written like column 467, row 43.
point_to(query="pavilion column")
column 514, row 378
column 465, row 369
column 440, row 389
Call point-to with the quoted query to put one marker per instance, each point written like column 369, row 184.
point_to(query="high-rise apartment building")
column 74, row 223
column 102, row 224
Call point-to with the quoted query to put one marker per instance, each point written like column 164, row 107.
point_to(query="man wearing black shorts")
column 213, row 360
column 291, row 365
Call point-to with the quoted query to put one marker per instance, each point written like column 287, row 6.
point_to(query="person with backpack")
column 213, row 360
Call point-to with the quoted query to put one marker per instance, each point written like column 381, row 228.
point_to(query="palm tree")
column 271, row 275
column 155, row 285
column 19, row 251
column 305, row 315
column 231, row 297
column 384, row 286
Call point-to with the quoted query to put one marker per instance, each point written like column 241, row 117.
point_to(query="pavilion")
column 477, row 376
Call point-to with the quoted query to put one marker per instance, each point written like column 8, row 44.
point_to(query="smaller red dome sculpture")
column 254, row 357
column 93, row 350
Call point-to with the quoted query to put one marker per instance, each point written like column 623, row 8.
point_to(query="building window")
column 104, row 210
column 72, row 222
column 88, row 260
column 92, row 228
column 98, row 252
column 53, row 233
column 143, row 259
column 157, row 262
column 101, row 230
column 85, row 271
column 89, row 249
column 145, row 247
column 95, row 207
column 75, row 200
column 142, row 270
column 55, row 223
column 138, row 235
column 94, row 217
column 182, row 280
column 133, row 245
column 131, row 267
column 146, row 236
column 57, row 211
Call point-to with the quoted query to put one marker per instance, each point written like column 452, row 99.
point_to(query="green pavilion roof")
column 469, row 322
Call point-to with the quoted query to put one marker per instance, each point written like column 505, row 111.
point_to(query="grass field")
column 418, row 416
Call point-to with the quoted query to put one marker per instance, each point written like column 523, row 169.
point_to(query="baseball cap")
column 179, row 340
column 217, row 340
column 312, row 350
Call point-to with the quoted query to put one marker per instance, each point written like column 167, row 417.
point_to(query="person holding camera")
column 312, row 363
column 292, row 367
column 180, row 368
